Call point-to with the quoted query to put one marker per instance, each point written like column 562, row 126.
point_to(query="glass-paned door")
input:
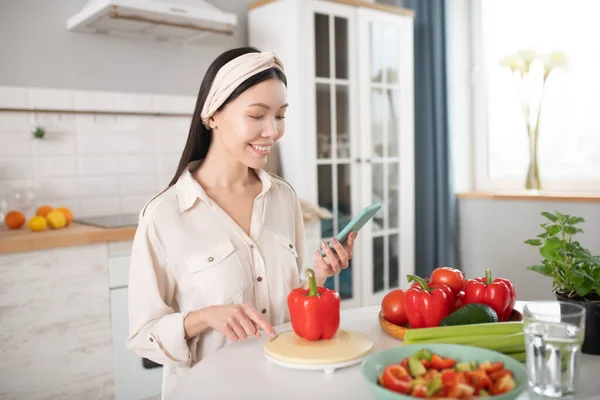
column 335, row 96
column 387, row 149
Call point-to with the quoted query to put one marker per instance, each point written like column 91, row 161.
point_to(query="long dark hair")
column 199, row 138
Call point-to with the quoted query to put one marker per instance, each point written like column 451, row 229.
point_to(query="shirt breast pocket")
column 288, row 258
column 218, row 273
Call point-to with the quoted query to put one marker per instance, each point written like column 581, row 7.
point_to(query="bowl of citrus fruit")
column 443, row 371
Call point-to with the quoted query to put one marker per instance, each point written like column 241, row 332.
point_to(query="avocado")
column 435, row 386
column 416, row 367
column 483, row 393
column 463, row 367
column 422, row 354
column 474, row 365
column 474, row 313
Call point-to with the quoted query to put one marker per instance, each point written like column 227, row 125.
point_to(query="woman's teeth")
column 261, row 148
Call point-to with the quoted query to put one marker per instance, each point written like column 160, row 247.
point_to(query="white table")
column 240, row 370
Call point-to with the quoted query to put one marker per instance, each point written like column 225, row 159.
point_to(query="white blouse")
column 189, row 254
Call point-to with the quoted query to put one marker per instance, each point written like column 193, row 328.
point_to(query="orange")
column 43, row 211
column 14, row 219
column 37, row 223
column 67, row 213
column 56, row 219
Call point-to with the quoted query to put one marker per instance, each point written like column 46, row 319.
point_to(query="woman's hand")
column 236, row 321
column 335, row 260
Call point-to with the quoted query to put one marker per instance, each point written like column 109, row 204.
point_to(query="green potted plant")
column 574, row 271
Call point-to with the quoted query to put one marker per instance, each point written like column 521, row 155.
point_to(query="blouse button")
column 151, row 339
column 264, row 310
column 291, row 246
column 259, row 279
column 251, row 246
column 211, row 259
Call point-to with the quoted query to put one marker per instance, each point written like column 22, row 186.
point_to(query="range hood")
column 165, row 20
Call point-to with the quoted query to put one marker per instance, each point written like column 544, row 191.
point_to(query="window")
column 569, row 132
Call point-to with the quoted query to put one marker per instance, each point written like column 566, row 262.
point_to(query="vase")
column 533, row 181
column 591, row 344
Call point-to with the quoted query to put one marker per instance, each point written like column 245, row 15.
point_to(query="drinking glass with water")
column 553, row 337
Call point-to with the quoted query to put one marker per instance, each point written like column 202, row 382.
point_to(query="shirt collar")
column 189, row 190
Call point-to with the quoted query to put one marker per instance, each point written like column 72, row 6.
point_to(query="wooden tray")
column 398, row 331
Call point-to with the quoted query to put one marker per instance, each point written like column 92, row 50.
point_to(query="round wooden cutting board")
column 345, row 348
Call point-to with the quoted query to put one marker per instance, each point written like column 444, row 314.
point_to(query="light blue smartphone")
column 356, row 224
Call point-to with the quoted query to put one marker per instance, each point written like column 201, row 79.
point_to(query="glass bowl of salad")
column 443, row 371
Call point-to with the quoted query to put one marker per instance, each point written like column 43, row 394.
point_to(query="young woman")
column 216, row 254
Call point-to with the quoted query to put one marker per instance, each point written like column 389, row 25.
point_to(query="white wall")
column 103, row 164
column 93, row 164
column 36, row 50
column 491, row 235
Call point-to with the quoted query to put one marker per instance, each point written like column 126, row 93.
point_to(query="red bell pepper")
column 441, row 286
column 459, row 300
column 426, row 306
column 494, row 293
column 314, row 313
column 513, row 298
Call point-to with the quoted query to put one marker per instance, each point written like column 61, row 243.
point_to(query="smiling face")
column 248, row 127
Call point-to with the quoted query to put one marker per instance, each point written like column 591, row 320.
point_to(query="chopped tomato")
column 500, row 374
column 503, row 385
column 491, row 367
column 419, row 390
column 426, row 363
column 441, row 363
column 404, row 363
column 466, row 391
column 453, row 392
column 430, row 375
column 395, row 377
column 479, row 380
column 449, row 378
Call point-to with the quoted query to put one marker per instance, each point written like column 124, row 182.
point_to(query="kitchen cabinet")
column 349, row 128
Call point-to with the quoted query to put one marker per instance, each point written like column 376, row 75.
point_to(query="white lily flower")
column 514, row 62
column 528, row 55
column 554, row 59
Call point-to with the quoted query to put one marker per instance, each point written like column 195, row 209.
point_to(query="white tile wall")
column 94, row 164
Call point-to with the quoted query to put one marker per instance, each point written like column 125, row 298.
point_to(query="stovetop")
column 110, row 221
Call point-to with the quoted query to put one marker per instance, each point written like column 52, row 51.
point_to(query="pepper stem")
column 420, row 280
column 312, row 282
column 488, row 277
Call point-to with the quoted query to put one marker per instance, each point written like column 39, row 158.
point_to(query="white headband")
column 231, row 75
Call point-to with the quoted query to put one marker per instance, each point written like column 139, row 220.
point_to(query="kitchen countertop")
column 254, row 377
column 23, row 239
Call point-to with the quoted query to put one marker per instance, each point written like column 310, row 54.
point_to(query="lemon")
column 56, row 219
column 37, row 223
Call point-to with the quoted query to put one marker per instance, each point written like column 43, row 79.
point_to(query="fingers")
column 237, row 322
column 321, row 265
column 350, row 243
column 331, row 258
column 341, row 252
column 228, row 331
column 259, row 320
column 237, row 328
column 245, row 322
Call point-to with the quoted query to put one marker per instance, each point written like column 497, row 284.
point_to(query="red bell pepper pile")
column 428, row 301
column 314, row 313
